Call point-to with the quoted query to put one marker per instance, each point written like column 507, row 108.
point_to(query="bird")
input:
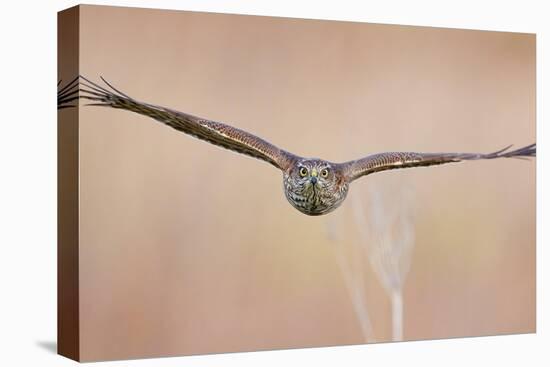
column 67, row 94
column 313, row 186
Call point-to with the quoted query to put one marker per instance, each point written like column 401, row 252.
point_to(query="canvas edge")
column 68, row 315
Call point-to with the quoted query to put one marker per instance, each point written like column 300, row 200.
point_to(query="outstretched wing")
column 211, row 131
column 67, row 94
column 393, row 160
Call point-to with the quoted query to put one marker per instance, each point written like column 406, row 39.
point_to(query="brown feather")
column 212, row 131
column 394, row 160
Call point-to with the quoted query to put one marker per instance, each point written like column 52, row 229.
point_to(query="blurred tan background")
column 187, row 248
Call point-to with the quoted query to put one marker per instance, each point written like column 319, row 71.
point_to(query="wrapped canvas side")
column 67, row 196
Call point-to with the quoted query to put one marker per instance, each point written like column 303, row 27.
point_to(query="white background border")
column 28, row 182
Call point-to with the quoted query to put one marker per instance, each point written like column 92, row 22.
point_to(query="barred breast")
column 314, row 200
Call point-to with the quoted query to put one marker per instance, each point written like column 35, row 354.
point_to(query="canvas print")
column 239, row 183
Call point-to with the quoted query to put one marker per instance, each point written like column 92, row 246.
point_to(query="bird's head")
column 315, row 186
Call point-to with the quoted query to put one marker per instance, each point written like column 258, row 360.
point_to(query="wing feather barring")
column 313, row 186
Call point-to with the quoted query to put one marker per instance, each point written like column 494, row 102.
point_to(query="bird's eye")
column 324, row 172
column 303, row 171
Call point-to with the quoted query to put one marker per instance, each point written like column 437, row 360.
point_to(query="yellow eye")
column 324, row 172
column 303, row 171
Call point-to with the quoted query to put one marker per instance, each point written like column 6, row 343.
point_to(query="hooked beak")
column 313, row 178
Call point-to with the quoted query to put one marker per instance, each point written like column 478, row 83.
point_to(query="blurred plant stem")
column 387, row 233
column 386, row 238
column 397, row 314
column 351, row 268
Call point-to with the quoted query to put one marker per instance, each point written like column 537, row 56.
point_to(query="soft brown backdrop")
column 188, row 248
